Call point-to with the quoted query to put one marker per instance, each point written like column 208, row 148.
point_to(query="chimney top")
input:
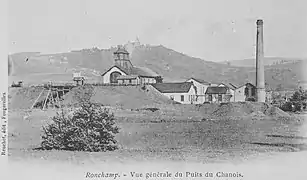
column 259, row 22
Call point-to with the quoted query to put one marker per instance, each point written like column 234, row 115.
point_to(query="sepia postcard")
column 154, row 90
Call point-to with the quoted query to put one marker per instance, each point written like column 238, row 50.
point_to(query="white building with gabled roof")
column 182, row 92
column 123, row 72
column 201, row 88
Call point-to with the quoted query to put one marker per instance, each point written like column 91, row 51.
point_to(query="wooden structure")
column 55, row 93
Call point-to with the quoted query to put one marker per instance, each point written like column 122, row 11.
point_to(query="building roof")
column 143, row 71
column 228, row 85
column 138, row 71
column 216, row 90
column 120, row 68
column 250, row 84
column 201, row 81
column 214, row 83
column 182, row 87
column 234, row 86
column 245, row 85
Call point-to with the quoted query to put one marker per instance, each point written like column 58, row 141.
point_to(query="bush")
column 89, row 128
column 299, row 99
column 287, row 106
column 297, row 106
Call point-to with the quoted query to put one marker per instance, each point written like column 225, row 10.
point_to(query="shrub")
column 299, row 99
column 304, row 105
column 89, row 128
column 287, row 106
column 143, row 88
column 297, row 106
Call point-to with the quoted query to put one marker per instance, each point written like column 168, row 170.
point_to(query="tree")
column 90, row 127
column 299, row 99
column 277, row 99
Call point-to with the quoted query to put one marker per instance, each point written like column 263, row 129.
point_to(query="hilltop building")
column 123, row 72
column 183, row 92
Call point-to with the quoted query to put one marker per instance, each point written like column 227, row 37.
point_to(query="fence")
column 68, row 84
column 110, row 84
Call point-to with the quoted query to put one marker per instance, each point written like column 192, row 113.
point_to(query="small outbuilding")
column 183, row 92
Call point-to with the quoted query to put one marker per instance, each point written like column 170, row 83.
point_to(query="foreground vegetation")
column 296, row 103
column 90, row 127
column 186, row 138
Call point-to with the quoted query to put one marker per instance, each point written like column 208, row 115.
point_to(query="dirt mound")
column 276, row 112
column 248, row 109
column 126, row 97
column 257, row 114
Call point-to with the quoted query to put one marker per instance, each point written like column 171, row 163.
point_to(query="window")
column 246, row 93
column 130, row 81
column 210, row 97
column 220, row 97
column 182, row 97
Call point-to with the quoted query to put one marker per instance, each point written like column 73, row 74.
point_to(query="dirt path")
column 279, row 166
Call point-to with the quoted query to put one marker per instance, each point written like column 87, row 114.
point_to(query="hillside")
column 268, row 61
column 173, row 66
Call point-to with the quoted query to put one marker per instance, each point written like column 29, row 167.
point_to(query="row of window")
column 219, row 97
column 181, row 98
column 128, row 81
column 193, row 98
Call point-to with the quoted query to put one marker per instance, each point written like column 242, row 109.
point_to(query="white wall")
column 239, row 94
column 177, row 96
column 106, row 76
column 232, row 92
column 126, row 81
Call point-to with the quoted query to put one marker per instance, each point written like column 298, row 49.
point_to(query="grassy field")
column 182, row 137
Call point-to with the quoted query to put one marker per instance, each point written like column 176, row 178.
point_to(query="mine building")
column 123, row 72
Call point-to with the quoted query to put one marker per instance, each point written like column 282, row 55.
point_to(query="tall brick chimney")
column 260, row 82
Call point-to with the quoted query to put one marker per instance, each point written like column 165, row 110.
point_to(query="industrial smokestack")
column 260, row 83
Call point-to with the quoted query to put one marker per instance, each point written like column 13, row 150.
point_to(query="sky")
column 213, row 30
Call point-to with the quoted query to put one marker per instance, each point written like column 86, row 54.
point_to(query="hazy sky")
column 210, row 29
